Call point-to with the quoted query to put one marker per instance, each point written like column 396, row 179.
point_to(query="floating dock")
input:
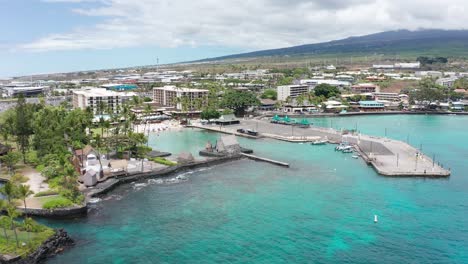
column 275, row 162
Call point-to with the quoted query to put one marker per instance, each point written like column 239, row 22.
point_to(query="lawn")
column 28, row 241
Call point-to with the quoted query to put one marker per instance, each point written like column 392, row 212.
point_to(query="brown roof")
column 267, row 102
column 84, row 151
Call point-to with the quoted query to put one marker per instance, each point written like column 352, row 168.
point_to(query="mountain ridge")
column 420, row 42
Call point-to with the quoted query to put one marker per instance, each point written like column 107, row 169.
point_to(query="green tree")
column 4, row 222
column 269, row 94
column 12, row 214
column 209, row 114
column 11, row 159
column 28, row 225
column 238, row 101
column 326, row 90
column 427, row 92
column 23, row 124
column 23, row 192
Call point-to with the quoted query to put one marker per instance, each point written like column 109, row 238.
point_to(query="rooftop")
column 179, row 89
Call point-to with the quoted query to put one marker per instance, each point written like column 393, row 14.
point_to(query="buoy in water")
column 375, row 219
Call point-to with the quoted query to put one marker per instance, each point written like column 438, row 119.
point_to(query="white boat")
column 319, row 142
column 375, row 219
column 347, row 150
column 343, row 146
column 355, row 156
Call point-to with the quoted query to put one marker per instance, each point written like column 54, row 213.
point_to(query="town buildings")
column 292, row 91
column 97, row 98
column 365, row 88
column 172, row 96
column 447, row 82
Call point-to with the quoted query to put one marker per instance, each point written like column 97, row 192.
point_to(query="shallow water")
column 320, row 210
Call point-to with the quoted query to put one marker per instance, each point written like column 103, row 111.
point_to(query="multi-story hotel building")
column 292, row 91
column 167, row 96
column 93, row 97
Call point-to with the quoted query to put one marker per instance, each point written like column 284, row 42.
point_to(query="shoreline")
column 320, row 115
column 54, row 245
column 388, row 157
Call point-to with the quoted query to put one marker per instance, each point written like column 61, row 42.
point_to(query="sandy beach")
column 169, row 125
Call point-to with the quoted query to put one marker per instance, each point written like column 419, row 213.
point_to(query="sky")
column 47, row 36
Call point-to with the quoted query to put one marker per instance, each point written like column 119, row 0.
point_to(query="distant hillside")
column 421, row 42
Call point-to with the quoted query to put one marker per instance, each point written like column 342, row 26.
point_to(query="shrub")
column 164, row 161
column 40, row 168
column 32, row 158
column 19, row 178
column 58, row 202
column 46, row 193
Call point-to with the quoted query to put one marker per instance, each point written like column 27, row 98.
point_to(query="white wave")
column 94, row 200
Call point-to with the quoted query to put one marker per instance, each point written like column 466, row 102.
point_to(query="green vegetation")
column 19, row 237
column 238, row 101
column 46, row 193
column 209, row 114
column 428, row 92
column 431, row 60
column 163, row 161
column 57, row 202
column 269, row 94
column 326, row 90
column 461, row 83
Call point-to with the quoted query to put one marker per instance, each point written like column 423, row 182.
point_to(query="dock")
column 387, row 156
column 275, row 162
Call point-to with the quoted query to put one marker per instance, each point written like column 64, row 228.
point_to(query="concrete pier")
column 388, row 157
column 275, row 162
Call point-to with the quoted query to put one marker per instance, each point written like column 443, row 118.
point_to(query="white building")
column 410, row 65
column 447, row 82
column 432, row 74
column 95, row 97
column 314, row 82
column 167, row 96
column 394, row 97
column 292, row 91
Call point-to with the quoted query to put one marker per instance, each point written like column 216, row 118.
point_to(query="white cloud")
column 248, row 24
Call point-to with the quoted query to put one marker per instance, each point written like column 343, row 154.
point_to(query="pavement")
column 389, row 157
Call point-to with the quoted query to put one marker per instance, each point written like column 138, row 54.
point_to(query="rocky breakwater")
column 51, row 247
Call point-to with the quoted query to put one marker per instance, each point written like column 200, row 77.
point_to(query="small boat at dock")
column 355, row 156
column 319, row 142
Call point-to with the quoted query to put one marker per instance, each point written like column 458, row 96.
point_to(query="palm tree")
column 28, row 226
column 12, row 214
column 4, row 222
column 23, row 192
column 8, row 190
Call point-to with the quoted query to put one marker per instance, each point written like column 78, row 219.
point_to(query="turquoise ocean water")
column 319, row 211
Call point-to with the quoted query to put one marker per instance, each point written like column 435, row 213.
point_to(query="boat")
column 347, row 150
column 375, row 219
column 343, row 146
column 319, row 142
column 355, row 156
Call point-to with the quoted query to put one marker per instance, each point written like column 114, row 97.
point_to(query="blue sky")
column 47, row 36
column 26, row 21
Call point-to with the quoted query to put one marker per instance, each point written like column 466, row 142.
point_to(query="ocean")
column 321, row 210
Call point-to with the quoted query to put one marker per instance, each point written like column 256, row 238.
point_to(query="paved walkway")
column 36, row 181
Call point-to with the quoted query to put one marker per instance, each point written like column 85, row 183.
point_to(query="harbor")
column 387, row 156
